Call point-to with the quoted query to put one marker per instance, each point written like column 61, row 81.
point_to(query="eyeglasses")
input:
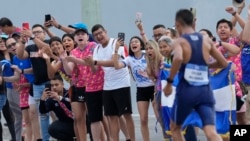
column 157, row 35
column 37, row 32
column 12, row 44
column 98, row 33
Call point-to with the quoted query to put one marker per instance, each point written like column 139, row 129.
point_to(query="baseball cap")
column 4, row 36
column 79, row 27
column 16, row 34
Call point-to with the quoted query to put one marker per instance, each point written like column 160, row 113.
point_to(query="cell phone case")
column 47, row 17
column 26, row 25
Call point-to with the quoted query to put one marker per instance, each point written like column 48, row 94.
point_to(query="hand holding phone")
column 26, row 25
column 47, row 19
column 121, row 36
column 48, row 87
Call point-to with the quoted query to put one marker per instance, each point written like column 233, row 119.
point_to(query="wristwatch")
column 170, row 80
column 60, row 98
column 32, row 37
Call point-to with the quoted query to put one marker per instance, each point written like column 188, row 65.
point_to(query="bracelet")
column 32, row 37
column 22, row 71
column 142, row 33
column 234, row 13
column 59, row 26
column 60, row 98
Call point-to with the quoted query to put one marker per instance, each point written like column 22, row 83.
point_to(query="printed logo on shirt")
column 80, row 98
column 21, row 63
column 246, row 50
column 194, row 37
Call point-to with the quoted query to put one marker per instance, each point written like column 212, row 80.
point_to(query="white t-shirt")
column 138, row 69
column 113, row 79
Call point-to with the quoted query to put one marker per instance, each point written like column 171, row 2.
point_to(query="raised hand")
column 47, row 25
column 45, row 56
column 54, row 22
column 140, row 26
column 230, row 9
column 248, row 11
column 118, row 44
column 47, row 50
column 25, row 34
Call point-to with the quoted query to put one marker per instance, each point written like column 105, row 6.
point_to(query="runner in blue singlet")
column 191, row 59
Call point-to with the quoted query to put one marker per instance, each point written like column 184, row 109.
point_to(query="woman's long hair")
column 153, row 65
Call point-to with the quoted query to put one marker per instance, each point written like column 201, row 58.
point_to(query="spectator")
column 57, row 100
column 33, row 51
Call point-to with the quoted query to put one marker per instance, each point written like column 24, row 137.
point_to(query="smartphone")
column 48, row 87
column 121, row 36
column 26, row 25
column 138, row 17
column 47, row 17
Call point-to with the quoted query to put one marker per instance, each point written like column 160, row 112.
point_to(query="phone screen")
column 138, row 17
column 121, row 36
column 48, row 86
column 47, row 17
column 26, row 25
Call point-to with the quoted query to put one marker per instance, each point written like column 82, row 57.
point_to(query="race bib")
column 196, row 75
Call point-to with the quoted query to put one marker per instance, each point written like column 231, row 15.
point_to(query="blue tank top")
column 195, row 71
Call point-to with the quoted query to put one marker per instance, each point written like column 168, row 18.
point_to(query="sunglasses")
column 12, row 44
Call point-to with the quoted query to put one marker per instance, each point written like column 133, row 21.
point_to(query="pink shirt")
column 237, row 62
column 93, row 81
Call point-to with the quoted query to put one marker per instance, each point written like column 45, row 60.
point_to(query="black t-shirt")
column 38, row 64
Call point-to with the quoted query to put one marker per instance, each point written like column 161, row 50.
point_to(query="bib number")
column 196, row 75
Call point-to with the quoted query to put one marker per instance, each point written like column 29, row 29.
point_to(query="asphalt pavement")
column 154, row 136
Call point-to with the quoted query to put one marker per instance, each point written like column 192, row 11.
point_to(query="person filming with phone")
column 55, row 98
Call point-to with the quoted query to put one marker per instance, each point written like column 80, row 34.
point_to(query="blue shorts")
column 189, row 98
